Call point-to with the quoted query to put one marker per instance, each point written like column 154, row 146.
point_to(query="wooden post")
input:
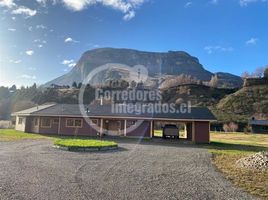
column 59, row 124
column 151, row 129
column 101, row 127
column 125, row 128
column 193, row 131
column 39, row 124
column 185, row 130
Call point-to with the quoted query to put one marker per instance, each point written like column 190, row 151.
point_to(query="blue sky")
column 43, row 39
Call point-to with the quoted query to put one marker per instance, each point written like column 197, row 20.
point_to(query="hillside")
column 243, row 104
column 199, row 95
column 158, row 64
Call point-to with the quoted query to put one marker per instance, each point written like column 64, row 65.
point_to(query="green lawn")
column 76, row 143
column 227, row 148
column 13, row 135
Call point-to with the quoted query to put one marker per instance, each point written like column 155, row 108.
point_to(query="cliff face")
column 172, row 62
column 158, row 64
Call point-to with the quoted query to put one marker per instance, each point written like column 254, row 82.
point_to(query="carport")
column 196, row 131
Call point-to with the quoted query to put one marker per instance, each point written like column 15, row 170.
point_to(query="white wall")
column 20, row 127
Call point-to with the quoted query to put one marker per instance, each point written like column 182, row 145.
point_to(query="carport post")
column 101, row 127
column 59, row 124
column 185, row 130
column 193, row 131
column 151, row 129
column 125, row 127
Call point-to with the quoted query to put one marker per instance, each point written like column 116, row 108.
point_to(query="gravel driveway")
column 151, row 170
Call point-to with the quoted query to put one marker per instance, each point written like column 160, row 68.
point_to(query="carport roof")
column 73, row 110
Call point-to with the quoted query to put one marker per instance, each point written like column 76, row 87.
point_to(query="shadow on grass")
column 235, row 147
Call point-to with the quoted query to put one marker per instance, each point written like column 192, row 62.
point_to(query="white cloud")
column 129, row 15
column 246, row 2
column 66, row 62
column 24, row 11
column 70, row 63
column 252, row 41
column 31, row 68
column 7, row 3
column 70, row 40
column 15, row 61
column 188, row 4
column 212, row 49
column 41, row 26
column 26, row 76
column 40, row 41
column 42, row 2
column 29, row 52
column 12, row 29
column 215, row 2
column 40, row 46
column 127, row 7
column 13, row 18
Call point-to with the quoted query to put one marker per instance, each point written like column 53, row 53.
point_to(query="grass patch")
column 80, row 143
column 227, row 148
column 13, row 135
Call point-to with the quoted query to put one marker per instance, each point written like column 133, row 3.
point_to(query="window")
column 131, row 122
column 20, row 120
column 55, row 121
column 94, row 122
column 74, row 123
column 265, row 128
column 46, row 122
column 69, row 123
column 78, row 122
column 35, row 121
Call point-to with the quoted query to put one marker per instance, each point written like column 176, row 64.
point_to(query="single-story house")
column 259, row 126
column 67, row 119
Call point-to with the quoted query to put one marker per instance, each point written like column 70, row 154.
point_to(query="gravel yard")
column 33, row 169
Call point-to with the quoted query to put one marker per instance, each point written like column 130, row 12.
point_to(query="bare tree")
column 258, row 72
column 226, row 128
column 265, row 74
column 233, row 127
column 245, row 74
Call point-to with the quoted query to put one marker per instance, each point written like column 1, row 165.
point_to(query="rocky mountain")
column 158, row 64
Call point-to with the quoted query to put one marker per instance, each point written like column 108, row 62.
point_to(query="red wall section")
column 201, row 132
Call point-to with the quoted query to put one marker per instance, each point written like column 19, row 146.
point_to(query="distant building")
column 257, row 81
column 259, row 126
column 55, row 86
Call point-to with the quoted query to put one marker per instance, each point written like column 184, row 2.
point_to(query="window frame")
column 50, row 122
column 73, row 120
column 92, row 122
column 20, row 120
column 57, row 121
column 36, row 121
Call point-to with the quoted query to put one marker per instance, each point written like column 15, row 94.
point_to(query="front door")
column 114, row 127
